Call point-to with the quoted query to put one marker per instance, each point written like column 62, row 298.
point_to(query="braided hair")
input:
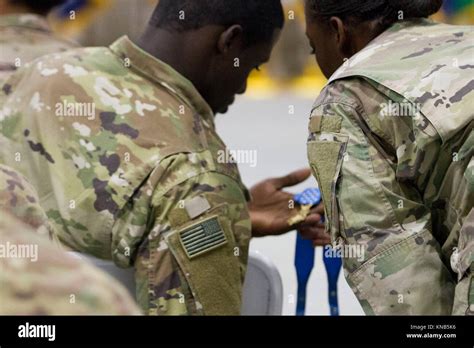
column 39, row 6
column 386, row 11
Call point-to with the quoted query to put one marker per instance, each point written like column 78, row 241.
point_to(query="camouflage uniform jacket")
column 23, row 38
column 37, row 277
column 391, row 144
column 124, row 154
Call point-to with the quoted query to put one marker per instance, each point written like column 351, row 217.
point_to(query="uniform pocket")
column 326, row 157
column 462, row 262
column 204, row 250
column 408, row 278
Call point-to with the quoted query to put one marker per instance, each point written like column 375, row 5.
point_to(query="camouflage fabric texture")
column 391, row 144
column 24, row 38
column 20, row 199
column 124, row 155
column 37, row 278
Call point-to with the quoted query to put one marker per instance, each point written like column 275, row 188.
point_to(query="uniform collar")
column 163, row 74
column 28, row 20
column 395, row 28
column 398, row 26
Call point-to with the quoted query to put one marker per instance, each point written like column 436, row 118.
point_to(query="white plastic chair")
column 125, row 276
column 263, row 288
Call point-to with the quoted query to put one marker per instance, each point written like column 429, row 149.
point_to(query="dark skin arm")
column 270, row 210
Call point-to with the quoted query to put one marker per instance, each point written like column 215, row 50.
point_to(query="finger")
column 319, row 209
column 312, row 220
column 321, row 242
column 291, row 179
column 313, row 233
column 312, row 227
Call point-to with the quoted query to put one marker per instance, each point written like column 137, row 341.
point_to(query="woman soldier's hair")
column 387, row 11
column 39, row 6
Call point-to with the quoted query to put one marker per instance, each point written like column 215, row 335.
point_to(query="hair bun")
column 416, row 8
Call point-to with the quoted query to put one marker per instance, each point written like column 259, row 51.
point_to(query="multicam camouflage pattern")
column 462, row 261
column 119, row 146
column 24, row 38
column 52, row 282
column 399, row 180
column 20, row 199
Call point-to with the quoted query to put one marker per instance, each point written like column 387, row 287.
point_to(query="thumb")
column 292, row 179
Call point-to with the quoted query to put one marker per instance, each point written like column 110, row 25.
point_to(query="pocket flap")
column 326, row 157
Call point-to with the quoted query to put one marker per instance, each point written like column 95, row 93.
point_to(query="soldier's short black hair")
column 258, row 18
column 39, row 6
column 386, row 10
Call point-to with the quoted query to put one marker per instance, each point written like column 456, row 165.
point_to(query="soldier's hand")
column 270, row 209
column 313, row 229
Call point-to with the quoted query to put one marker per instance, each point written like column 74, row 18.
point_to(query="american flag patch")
column 202, row 237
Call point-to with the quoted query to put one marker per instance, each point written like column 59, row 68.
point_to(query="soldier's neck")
column 176, row 50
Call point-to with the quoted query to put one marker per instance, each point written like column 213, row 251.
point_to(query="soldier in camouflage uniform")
column 25, row 34
column 391, row 144
column 55, row 283
column 37, row 278
column 123, row 150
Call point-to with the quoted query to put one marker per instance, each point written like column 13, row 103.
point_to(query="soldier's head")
column 41, row 7
column 214, row 43
column 339, row 29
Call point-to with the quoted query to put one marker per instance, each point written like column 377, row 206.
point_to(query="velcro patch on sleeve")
column 315, row 124
column 331, row 124
column 197, row 206
column 202, row 237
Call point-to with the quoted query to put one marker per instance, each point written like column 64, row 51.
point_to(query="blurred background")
column 271, row 118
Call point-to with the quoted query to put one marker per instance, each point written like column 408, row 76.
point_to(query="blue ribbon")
column 333, row 265
column 304, row 261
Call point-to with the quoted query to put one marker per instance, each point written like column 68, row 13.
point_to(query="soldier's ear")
column 230, row 40
column 340, row 35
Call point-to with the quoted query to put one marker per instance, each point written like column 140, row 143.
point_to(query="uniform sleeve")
column 392, row 261
column 191, row 251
